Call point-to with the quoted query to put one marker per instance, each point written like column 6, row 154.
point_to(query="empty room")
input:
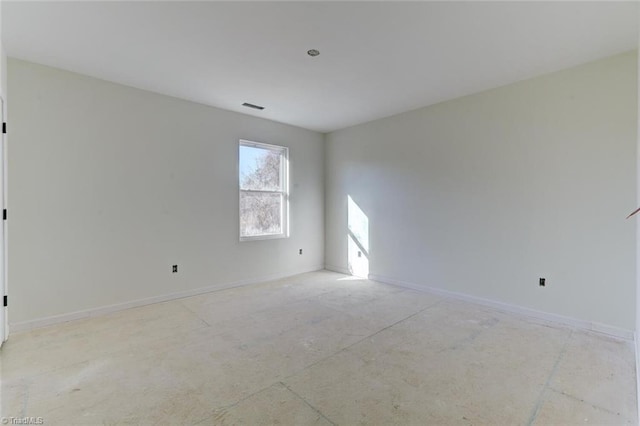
column 319, row 213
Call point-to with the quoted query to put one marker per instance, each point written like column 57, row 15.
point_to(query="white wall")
column 485, row 194
column 637, row 329
column 3, row 94
column 3, row 61
column 109, row 186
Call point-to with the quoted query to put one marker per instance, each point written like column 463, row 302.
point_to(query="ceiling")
column 376, row 59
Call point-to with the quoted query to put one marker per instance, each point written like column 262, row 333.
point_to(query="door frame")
column 4, row 317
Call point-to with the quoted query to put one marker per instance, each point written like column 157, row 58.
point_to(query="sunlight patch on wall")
column 358, row 239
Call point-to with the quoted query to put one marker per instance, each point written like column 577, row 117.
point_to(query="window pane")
column 260, row 214
column 260, row 168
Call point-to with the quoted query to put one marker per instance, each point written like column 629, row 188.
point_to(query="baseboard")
column 515, row 309
column 337, row 269
column 532, row 313
column 103, row 310
column 637, row 372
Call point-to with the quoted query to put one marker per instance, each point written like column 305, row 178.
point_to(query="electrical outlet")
column 175, row 269
column 359, row 254
column 300, row 251
column 543, row 282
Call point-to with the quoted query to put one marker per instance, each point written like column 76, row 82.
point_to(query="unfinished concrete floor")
column 317, row 349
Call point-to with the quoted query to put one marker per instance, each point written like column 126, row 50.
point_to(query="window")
column 264, row 198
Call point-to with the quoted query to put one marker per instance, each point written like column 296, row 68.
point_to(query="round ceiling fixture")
column 313, row 52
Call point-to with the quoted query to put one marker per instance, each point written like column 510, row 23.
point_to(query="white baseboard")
column 505, row 307
column 539, row 315
column 637, row 346
column 103, row 310
column 337, row 269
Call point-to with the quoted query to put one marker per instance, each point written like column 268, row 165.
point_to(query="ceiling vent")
column 248, row 105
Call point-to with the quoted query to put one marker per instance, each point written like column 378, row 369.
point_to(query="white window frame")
column 284, row 191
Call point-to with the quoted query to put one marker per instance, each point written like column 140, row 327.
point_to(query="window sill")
column 263, row 237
